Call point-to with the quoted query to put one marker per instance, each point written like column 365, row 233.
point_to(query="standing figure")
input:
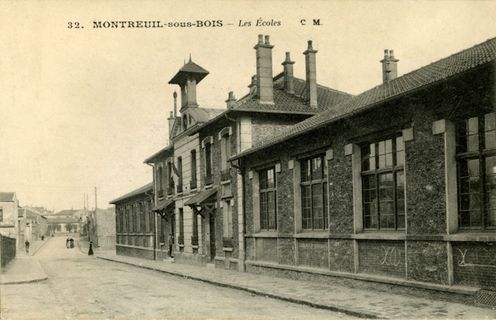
column 67, row 243
column 26, row 245
column 90, row 251
column 171, row 241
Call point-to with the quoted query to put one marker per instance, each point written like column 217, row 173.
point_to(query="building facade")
column 32, row 225
column 273, row 104
column 197, row 193
column 9, row 206
column 396, row 185
column 135, row 223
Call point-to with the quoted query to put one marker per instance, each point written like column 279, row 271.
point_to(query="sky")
column 82, row 108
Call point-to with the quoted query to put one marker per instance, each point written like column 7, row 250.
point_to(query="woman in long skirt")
column 90, row 251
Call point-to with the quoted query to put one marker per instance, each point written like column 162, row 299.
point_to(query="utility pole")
column 94, row 218
column 96, row 206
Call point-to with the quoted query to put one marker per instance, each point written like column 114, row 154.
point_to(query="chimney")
column 288, row 74
column 175, row 103
column 231, row 100
column 170, row 120
column 311, row 75
column 389, row 66
column 172, row 115
column 264, row 70
column 253, row 84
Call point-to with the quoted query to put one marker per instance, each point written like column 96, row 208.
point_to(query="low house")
column 32, row 225
column 396, row 185
column 135, row 223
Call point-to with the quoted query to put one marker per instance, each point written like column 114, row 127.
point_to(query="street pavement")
column 84, row 287
column 352, row 301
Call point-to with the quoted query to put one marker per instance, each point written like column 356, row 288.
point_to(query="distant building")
column 9, row 214
column 65, row 221
column 102, row 228
column 135, row 223
column 32, row 225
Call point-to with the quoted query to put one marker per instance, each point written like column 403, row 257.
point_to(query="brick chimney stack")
column 231, row 100
column 253, row 84
column 389, row 66
column 288, row 74
column 264, row 70
column 172, row 115
column 174, row 95
column 311, row 75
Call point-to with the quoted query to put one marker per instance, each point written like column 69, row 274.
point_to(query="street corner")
column 23, row 270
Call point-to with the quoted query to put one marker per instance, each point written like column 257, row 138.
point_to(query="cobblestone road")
column 82, row 287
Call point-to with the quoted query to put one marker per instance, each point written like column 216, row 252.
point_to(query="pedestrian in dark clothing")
column 71, row 243
column 90, row 251
column 171, row 241
column 67, row 244
column 26, row 245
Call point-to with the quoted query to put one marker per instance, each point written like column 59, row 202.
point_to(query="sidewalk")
column 24, row 268
column 36, row 245
column 355, row 302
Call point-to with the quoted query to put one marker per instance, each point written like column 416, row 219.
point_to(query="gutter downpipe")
column 241, row 197
column 154, row 214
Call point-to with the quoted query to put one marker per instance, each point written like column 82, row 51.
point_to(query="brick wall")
column 250, row 248
column 286, row 247
column 270, row 125
column 313, row 253
column 340, row 184
column 475, row 264
column 428, row 261
column 382, row 258
column 266, row 249
column 426, row 205
column 285, row 190
column 341, row 255
column 7, row 250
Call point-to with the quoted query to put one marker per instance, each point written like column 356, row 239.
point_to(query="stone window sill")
column 380, row 235
column 471, row 236
column 265, row 234
column 312, row 234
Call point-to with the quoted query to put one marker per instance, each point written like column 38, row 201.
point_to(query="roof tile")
column 437, row 71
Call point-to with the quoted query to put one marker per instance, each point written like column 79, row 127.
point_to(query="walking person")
column 90, row 251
